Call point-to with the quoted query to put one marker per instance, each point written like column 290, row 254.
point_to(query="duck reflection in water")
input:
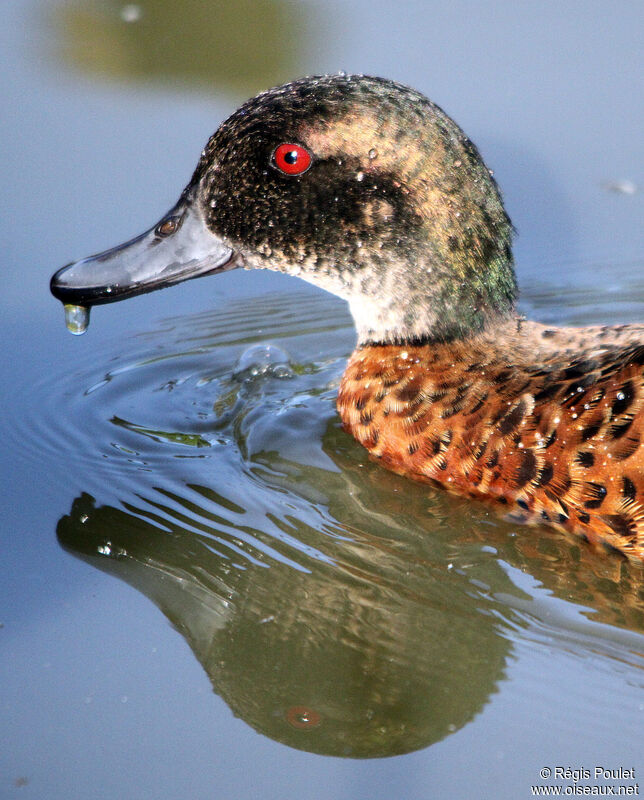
column 365, row 640
column 337, row 657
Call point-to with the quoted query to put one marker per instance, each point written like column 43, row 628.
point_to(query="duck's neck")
column 443, row 269
column 434, row 303
column 441, row 273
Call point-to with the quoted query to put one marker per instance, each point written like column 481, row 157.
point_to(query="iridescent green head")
column 356, row 184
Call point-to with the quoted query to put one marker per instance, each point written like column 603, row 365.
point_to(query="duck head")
column 358, row 185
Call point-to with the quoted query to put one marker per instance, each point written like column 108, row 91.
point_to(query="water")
column 207, row 588
column 76, row 319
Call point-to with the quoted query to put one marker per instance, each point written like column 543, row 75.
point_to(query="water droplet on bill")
column 76, row 319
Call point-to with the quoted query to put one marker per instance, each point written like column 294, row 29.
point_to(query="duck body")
column 547, row 422
column 365, row 188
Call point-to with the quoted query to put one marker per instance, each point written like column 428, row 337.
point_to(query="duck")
column 364, row 187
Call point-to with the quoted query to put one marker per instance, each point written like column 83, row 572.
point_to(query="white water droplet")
column 131, row 13
column 360, row 176
column 76, row 319
column 373, row 153
column 621, row 187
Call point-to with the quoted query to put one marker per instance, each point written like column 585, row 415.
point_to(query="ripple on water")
column 219, row 431
column 178, row 391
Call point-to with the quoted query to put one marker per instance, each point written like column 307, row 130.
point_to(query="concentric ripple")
column 220, row 430
column 180, row 390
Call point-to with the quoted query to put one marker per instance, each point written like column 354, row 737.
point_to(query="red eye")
column 293, row 159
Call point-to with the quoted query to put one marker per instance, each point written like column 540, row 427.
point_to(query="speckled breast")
column 560, row 445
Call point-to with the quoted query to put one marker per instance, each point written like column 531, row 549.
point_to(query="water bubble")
column 263, row 359
column 76, row 319
column 131, row 13
column 303, row 717
column 373, row 153
column 621, row 187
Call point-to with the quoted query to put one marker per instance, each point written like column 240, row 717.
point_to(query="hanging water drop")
column 76, row 318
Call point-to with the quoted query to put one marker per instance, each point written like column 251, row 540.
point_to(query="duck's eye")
column 168, row 226
column 292, row 159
